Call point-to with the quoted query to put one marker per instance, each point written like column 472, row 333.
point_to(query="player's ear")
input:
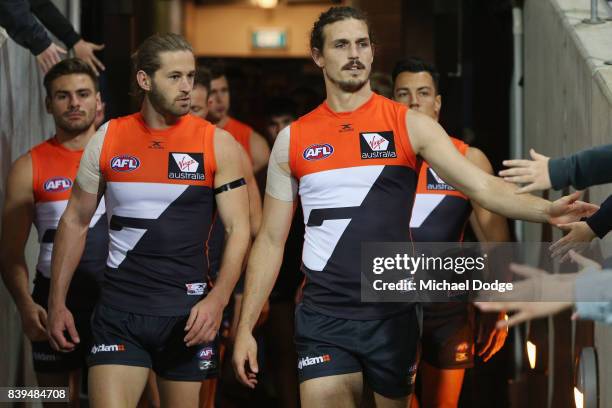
column 317, row 57
column 144, row 81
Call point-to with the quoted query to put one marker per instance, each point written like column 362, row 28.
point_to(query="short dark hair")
column 415, row 65
column 335, row 14
column 202, row 77
column 280, row 107
column 69, row 66
column 217, row 71
column 146, row 58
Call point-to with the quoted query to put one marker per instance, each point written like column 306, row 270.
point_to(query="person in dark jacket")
column 580, row 170
column 17, row 17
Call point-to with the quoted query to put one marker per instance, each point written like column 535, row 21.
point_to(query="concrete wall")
column 568, row 106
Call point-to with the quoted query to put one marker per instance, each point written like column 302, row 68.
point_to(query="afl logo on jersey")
column 57, row 184
column 125, row 163
column 318, row 151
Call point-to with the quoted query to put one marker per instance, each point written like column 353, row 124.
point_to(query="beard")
column 75, row 128
column 163, row 105
column 349, row 85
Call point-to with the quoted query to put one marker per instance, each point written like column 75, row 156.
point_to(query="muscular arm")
column 267, row 252
column 17, row 217
column 234, row 212
column 431, row 142
column 253, row 193
column 260, row 151
column 69, row 242
column 492, row 227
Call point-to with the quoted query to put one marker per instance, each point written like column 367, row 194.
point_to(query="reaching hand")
column 60, row 320
column 85, row 51
column 539, row 295
column 533, row 174
column 582, row 261
column 50, row 57
column 578, row 238
column 244, row 359
column 569, row 209
column 34, row 322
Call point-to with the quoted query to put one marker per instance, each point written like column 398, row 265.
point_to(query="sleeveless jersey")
column 54, row 170
column 160, row 203
column 241, row 132
column 357, row 180
column 440, row 212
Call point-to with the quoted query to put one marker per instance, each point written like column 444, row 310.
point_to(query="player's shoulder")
column 315, row 114
column 197, row 121
column 224, row 138
column 239, row 125
column 389, row 105
column 132, row 119
column 22, row 161
column 21, row 170
column 42, row 146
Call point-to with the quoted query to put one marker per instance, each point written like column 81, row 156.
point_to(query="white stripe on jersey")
column 424, row 204
column 346, row 187
column 135, row 200
column 47, row 216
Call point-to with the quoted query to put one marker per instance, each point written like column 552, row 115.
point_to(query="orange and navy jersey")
column 241, row 132
column 440, row 212
column 54, row 170
column 160, row 203
column 357, row 179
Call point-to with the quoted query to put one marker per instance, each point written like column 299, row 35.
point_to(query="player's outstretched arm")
column 430, row 141
column 17, row 217
column 494, row 227
column 265, row 258
column 233, row 204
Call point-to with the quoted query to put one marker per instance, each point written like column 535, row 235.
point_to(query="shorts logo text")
column 103, row 347
column 308, row 361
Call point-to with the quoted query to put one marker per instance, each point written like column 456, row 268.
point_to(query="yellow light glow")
column 531, row 354
column 267, row 3
column 578, row 398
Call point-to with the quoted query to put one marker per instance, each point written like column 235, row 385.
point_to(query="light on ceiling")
column 267, row 3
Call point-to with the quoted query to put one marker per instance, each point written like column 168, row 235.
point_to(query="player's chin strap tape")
column 230, row 186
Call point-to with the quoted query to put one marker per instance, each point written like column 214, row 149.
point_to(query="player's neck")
column 74, row 142
column 155, row 119
column 341, row 101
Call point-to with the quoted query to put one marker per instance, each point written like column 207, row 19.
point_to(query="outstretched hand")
column 533, row 174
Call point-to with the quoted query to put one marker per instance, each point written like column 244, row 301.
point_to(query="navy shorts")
column 385, row 351
column 44, row 357
column 150, row 341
